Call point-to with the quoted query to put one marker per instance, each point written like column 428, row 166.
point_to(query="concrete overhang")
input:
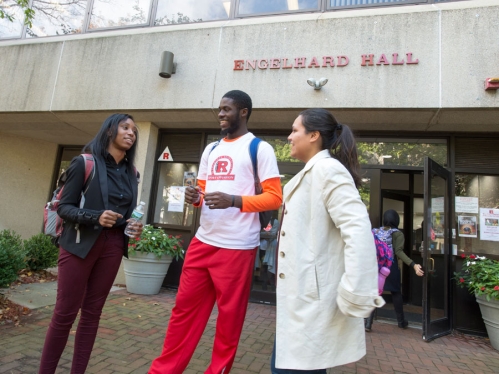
column 67, row 128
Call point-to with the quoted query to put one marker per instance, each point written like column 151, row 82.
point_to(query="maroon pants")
column 209, row 274
column 85, row 284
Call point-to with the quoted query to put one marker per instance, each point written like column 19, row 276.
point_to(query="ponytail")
column 337, row 138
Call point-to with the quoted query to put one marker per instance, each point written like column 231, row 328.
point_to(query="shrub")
column 12, row 257
column 41, row 253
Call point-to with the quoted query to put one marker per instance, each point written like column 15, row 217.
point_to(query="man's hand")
column 192, row 195
column 108, row 218
column 220, row 200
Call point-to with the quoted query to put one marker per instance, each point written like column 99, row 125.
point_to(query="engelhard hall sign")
column 325, row 61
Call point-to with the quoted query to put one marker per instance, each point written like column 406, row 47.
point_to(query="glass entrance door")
column 436, row 249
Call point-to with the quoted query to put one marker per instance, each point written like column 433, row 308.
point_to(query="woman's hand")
column 108, row 218
column 136, row 227
column 419, row 270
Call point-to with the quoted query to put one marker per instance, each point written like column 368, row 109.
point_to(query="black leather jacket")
column 96, row 201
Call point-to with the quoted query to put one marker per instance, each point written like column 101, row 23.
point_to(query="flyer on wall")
column 189, row 178
column 467, row 226
column 489, row 224
column 176, row 198
column 465, row 204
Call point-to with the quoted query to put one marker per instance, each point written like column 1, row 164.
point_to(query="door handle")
column 432, row 269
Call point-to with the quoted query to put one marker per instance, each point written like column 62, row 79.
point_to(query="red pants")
column 209, row 273
column 85, row 284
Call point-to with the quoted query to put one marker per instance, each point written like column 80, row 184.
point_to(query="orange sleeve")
column 202, row 185
column 270, row 199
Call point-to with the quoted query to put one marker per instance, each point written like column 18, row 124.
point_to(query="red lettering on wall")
column 327, row 60
column 410, row 61
column 238, row 64
column 166, row 156
column 251, row 63
column 343, row 60
column 285, row 64
column 300, row 62
column 274, row 63
column 395, row 59
column 314, row 63
column 383, row 60
column 262, row 64
column 367, row 60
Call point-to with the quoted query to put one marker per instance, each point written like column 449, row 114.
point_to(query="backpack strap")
column 253, row 150
column 89, row 175
column 214, row 146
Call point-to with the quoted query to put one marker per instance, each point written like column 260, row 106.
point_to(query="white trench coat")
column 327, row 269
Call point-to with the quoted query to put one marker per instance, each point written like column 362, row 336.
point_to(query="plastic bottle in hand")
column 137, row 215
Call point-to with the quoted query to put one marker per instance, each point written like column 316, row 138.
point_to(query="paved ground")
column 132, row 331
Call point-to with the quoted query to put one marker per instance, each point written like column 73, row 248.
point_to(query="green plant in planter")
column 480, row 275
column 155, row 240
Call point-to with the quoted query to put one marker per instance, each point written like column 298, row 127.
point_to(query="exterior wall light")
column 317, row 84
column 492, row 84
column 167, row 67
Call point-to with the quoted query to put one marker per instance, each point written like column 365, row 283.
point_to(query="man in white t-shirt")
column 219, row 261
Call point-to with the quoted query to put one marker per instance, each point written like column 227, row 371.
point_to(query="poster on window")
column 489, row 224
column 176, row 198
column 466, row 204
column 467, row 226
column 438, row 224
column 189, row 178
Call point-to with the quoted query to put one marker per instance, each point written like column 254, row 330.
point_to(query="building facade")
column 414, row 80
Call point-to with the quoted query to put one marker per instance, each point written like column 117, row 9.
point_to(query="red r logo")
column 221, row 166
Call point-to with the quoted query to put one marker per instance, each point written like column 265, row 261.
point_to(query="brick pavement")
column 132, row 330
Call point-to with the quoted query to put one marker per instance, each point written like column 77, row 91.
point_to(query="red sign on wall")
column 325, row 61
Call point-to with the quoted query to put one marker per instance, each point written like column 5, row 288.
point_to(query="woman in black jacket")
column 93, row 241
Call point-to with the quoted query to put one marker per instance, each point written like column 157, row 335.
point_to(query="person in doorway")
column 327, row 273
column 268, row 244
column 395, row 239
column 93, row 241
column 219, row 261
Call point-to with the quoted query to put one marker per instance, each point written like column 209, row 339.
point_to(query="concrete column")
column 144, row 162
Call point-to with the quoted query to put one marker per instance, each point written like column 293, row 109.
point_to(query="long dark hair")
column 336, row 137
column 99, row 144
column 391, row 219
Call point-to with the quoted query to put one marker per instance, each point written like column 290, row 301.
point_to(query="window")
column 402, row 152
column 117, row 13
column 11, row 29
column 359, row 3
column 61, row 17
column 247, row 7
column 477, row 213
column 187, row 11
column 169, row 208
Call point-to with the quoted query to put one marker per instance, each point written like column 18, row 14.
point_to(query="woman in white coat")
column 327, row 273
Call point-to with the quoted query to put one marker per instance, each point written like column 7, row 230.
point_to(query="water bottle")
column 137, row 214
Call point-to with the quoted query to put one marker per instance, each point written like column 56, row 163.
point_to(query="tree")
column 29, row 13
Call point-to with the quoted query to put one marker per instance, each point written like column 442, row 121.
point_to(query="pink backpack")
column 384, row 254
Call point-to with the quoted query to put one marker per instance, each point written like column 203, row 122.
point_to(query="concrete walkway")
column 132, row 330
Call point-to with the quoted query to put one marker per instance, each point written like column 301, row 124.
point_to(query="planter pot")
column 144, row 272
column 490, row 315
